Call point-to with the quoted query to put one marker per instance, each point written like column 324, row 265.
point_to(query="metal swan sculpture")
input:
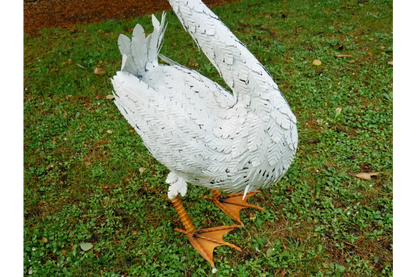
column 236, row 143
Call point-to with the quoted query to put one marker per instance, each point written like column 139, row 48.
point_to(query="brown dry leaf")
column 366, row 175
column 142, row 169
column 252, row 216
column 288, row 190
column 338, row 109
column 63, row 251
column 110, row 96
column 45, row 240
column 342, row 56
column 109, row 131
column 281, row 272
column 87, row 163
column 317, row 62
column 390, row 63
column 99, row 71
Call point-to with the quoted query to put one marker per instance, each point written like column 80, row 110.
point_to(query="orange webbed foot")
column 233, row 203
column 205, row 240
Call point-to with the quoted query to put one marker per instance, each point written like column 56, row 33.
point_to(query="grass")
column 83, row 165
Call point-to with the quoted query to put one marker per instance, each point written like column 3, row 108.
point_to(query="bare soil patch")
column 65, row 13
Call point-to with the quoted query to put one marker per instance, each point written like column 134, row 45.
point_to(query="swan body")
column 202, row 133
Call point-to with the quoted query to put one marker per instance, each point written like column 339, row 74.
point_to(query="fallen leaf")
column 142, row 169
column 317, row 62
column 338, row 111
column 63, row 251
column 366, row 176
column 342, row 56
column 85, row 246
column 313, row 141
column 87, row 163
column 352, row 61
column 110, row 96
column 390, row 63
column 109, row 131
column 99, row 71
column 281, row 272
column 45, row 240
column 365, row 167
column 252, row 216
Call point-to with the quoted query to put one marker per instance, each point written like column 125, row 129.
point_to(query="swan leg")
column 232, row 203
column 204, row 240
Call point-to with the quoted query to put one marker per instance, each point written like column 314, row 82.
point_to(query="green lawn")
column 89, row 180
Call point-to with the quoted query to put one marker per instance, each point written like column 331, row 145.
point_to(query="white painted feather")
column 129, row 65
column 155, row 22
column 138, row 33
column 245, row 191
column 124, row 44
column 205, row 135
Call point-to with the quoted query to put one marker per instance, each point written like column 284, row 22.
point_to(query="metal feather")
column 124, row 44
column 205, row 135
